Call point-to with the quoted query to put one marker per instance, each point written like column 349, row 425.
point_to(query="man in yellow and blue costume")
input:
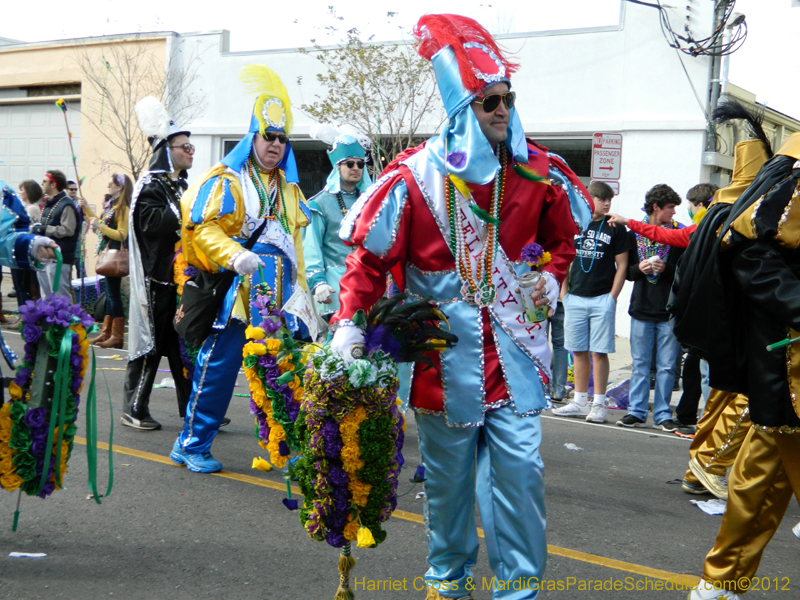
column 255, row 185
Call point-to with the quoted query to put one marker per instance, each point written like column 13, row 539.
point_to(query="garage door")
column 33, row 139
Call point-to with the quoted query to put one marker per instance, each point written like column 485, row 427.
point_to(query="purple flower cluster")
column 264, row 302
column 532, row 253
column 37, row 317
column 336, row 519
column 186, row 360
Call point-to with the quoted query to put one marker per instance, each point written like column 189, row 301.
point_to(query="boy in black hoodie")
column 651, row 266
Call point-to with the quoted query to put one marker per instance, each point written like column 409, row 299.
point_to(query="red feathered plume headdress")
column 463, row 34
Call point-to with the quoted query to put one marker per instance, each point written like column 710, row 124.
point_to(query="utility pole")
column 714, row 78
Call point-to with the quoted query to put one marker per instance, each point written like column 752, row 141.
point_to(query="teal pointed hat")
column 345, row 142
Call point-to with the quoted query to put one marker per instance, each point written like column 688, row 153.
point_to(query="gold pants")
column 720, row 433
column 764, row 476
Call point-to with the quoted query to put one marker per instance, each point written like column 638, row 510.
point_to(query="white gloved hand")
column 42, row 248
column 345, row 338
column 552, row 289
column 322, row 293
column 247, row 262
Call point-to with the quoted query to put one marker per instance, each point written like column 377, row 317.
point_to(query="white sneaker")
column 597, row 414
column 573, row 409
column 796, row 530
column 706, row 591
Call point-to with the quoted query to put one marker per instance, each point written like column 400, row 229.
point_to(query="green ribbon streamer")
column 16, row 512
column 91, row 435
column 59, row 262
column 58, row 407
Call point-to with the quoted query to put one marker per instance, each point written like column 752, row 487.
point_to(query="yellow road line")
column 594, row 559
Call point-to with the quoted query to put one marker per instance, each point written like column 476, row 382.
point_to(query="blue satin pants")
column 215, row 371
column 500, row 461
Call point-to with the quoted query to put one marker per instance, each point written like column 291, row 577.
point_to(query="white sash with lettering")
column 274, row 235
column 507, row 308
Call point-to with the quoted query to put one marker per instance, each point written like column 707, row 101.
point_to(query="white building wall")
column 623, row 79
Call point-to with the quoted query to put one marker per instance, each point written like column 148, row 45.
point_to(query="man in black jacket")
column 154, row 231
column 60, row 222
column 651, row 266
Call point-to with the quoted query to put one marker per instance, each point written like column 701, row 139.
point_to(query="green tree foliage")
column 384, row 90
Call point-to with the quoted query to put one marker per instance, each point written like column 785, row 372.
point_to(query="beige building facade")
column 33, row 132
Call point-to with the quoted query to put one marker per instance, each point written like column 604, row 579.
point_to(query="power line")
column 713, row 45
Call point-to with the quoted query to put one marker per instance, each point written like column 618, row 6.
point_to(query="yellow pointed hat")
column 272, row 109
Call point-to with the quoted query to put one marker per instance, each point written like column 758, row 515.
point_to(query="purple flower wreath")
column 52, row 317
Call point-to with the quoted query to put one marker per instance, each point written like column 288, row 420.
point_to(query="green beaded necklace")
column 268, row 209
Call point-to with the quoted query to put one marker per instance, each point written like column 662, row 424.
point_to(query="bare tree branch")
column 119, row 74
column 385, row 91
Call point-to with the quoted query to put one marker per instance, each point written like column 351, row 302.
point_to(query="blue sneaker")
column 198, row 463
column 693, row 488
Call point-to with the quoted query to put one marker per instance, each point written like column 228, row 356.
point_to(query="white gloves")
column 42, row 249
column 552, row 288
column 345, row 339
column 322, row 293
column 247, row 262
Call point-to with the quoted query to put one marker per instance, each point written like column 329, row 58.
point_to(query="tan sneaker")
column 716, row 484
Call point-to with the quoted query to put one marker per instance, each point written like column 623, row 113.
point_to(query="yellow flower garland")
column 179, row 267
column 351, row 463
column 276, row 432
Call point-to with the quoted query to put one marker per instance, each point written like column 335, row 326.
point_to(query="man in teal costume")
column 324, row 252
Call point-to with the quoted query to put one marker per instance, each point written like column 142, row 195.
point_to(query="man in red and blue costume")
column 449, row 220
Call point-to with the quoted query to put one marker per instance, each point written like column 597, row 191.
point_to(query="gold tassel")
column 346, row 564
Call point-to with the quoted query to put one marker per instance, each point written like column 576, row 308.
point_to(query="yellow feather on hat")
column 273, row 107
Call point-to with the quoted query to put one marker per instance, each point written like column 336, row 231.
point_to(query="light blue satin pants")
column 500, row 461
column 215, row 371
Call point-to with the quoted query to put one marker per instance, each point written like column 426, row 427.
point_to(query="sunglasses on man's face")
column 271, row 137
column 355, row 163
column 188, row 148
column 490, row 103
column 73, row 189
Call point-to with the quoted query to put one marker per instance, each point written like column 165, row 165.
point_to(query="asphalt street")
column 616, row 515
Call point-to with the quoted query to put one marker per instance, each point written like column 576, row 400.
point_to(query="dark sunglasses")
column 271, row 137
column 355, row 163
column 490, row 103
column 73, row 189
column 188, row 148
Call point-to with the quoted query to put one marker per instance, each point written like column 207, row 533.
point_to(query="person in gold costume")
column 760, row 260
column 251, row 193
